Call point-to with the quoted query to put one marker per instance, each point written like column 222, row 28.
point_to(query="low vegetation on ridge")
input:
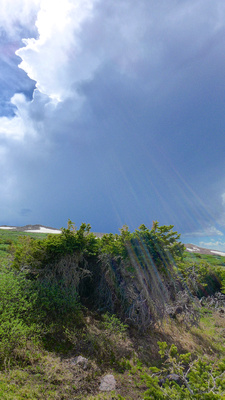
column 135, row 304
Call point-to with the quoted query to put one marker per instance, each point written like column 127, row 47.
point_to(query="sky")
column 112, row 113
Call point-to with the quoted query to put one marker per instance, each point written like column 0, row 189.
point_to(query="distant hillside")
column 31, row 228
column 192, row 248
column 38, row 229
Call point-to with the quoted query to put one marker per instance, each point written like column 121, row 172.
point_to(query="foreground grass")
column 44, row 368
column 127, row 355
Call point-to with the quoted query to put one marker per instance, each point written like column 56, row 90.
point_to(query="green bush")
column 54, row 303
column 31, row 309
column 201, row 279
column 113, row 324
column 183, row 379
column 16, row 308
column 39, row 256
column 137, row 273
column 132, row 275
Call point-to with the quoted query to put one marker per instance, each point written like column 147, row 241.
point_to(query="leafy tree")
column 40, row 256
column 138, row 269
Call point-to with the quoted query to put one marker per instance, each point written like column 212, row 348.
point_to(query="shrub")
column 32, row 309
column 40, row 257
column 131, row 275
column 54, row 303
column 182, row 378
column 15, row 310
column 201, row 279
column 137, row 273
column 113, row 324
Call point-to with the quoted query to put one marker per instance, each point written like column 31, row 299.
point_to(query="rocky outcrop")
column 108, row 383
column 80, row 361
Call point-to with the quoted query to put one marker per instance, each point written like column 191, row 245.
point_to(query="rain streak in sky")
column 112, row 113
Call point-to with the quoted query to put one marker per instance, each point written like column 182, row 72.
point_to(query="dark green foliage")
column 137, row 270
column 41, row 298
column 201, row 278
column 32, row 309
column 38, row 255
column 16, row 308
column 54, row 303
column 161, row 244
column 134, row 275
column 127, row 274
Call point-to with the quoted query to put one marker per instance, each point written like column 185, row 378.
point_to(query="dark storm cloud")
column 138, row 134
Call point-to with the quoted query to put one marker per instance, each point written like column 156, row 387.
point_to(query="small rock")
column 108, row 383
column 81, row 361
column 171, row 378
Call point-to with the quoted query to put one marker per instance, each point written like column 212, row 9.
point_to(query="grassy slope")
column 8, row 238
column 51, row 375
column 213, row 260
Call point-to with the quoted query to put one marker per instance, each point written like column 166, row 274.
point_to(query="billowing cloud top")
column 114, row 114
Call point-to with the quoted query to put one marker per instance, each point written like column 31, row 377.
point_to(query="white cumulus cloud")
column 16, row 14
column 209, row 231
column 213, row 244
column 55, row 60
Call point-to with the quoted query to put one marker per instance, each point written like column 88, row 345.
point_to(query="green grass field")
column 39, row 363
column 7, row 239
column 213, row 260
